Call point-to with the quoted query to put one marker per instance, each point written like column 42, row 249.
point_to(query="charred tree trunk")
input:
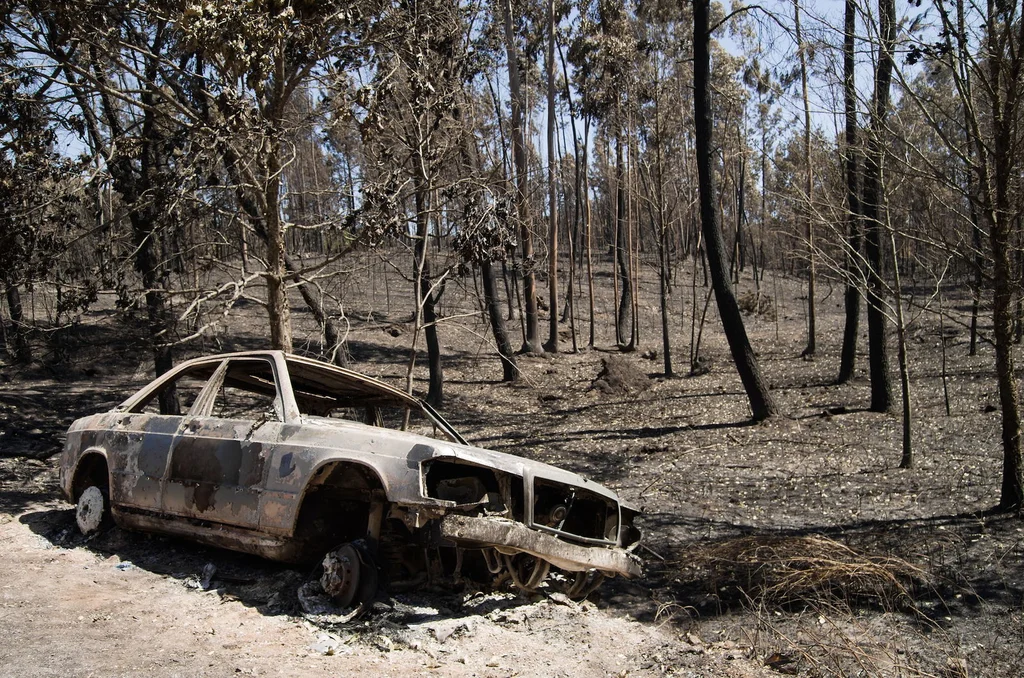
column 808, row 189
column 881, row 385
column 20, row 348
column 333, row 347
column 588, row 225
column 552, row 343
column 762, row 404
column 848, row 361
column 532, row 342
column 277, row 297
column 1005, row 65
column 428, row 298
column 624, row 314
column 509, row 368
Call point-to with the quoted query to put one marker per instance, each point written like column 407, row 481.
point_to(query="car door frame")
column 211, row 492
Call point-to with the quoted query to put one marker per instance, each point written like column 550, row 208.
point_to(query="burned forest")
column 511, row 338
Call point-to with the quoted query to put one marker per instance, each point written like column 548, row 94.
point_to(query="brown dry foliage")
column 781, row 570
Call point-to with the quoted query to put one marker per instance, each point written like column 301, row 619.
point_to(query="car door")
column 140, row 439
column 216, row 469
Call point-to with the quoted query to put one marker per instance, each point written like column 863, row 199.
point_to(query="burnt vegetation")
column 369, row 183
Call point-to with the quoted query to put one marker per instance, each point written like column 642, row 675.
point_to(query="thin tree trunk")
column 552, row 343
column 808, row 189
column 588, row 224
column 762, row 404
column 427, row 298
column 532, row 342
column 333, row 346
column 509, row 368
column 20, row 348
column 277, row 300
column 1004, row 90
column 907, row 460
column 624, row 312
column 848, row 361
column 881, row 386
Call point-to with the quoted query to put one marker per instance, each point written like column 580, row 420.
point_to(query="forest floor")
column 795, row 546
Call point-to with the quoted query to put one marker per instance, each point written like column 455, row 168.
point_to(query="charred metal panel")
column 290, row 468
column 512, row 537
column 216, row 473
column 213, row 534
column 137, row 446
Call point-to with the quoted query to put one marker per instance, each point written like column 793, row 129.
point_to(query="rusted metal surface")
column 511, row 537
column 258, row 461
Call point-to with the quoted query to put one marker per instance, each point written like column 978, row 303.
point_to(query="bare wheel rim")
column 349, row 574
column 340, row 579
column 90, row 509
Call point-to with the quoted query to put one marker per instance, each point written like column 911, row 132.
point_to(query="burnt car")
column 300, row 461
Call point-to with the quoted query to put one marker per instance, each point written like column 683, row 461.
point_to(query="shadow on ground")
column 270, row 588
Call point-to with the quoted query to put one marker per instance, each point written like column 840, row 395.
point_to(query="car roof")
column 318, row 372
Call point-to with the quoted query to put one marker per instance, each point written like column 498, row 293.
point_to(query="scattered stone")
column 326, row 644
column 448, row 628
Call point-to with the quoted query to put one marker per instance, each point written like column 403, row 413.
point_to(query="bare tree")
column 850, row 152
column 532, row 343
column 881, row 385
column 762, row 404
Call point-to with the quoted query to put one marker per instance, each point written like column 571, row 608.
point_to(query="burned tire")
column 92, row 510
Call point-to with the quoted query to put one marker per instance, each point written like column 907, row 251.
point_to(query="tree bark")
column 848, row 361
column 881, row 385
column 808, row 189
column 532, row 341
column 1004, row 65
column 20, row 349
column 552, row 342
column 427, row 298
column 279, row 314
column 762, row 404
column 624, row 314
column 509, row 368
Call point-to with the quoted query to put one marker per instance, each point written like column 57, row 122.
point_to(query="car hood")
column 432, row 448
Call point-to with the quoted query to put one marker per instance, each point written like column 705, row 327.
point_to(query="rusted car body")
column 286, row 457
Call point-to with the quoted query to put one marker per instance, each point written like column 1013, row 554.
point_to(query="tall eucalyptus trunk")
column 762, row 405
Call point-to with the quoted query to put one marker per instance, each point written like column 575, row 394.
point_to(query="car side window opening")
column 176, row 397
column 249, row 392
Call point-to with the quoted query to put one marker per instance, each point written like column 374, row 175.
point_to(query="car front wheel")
column 349, row 574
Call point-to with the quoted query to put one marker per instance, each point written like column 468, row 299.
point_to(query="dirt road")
column 126, row 604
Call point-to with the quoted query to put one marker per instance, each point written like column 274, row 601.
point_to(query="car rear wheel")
column 91, row 510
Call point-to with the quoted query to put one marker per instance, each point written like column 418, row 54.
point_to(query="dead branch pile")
column 786, row 570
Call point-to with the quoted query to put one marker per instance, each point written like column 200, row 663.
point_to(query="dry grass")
column 785, row 570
